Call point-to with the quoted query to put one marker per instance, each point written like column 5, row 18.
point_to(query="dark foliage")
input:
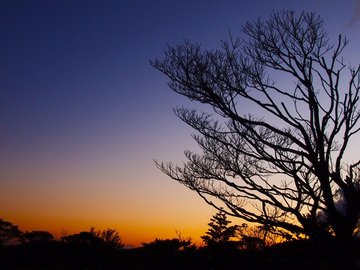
column 169, row 245
column 108, row 238
column 88, row 251
column 220, row 233
column 9, row 233
column 36, row 236
column 295, row 255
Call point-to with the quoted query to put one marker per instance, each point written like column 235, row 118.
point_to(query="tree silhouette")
column 110, row 237
column 219, row 233
column 257, row 237
column 276, row 150
column 83, row 239
column 95, row 238
column 8, row 232
column 36, row 236
column 171, row 245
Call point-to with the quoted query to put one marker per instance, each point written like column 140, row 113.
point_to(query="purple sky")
column 83, row 114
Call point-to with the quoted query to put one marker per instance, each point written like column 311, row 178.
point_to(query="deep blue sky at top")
column 68, row 67
column 73, row 65
column 81, row 109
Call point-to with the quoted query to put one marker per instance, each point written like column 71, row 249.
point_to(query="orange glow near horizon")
column 159, row 210
column 69, row 199
column 132, row 233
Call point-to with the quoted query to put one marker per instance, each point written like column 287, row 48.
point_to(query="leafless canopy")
column 285, row 110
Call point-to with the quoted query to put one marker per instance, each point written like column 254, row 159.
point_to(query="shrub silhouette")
column 83, row 239
column 9, row 233
column 36, row 236
column 110, row 238
column 172, row 245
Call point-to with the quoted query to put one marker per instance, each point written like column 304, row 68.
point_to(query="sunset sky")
column 83, row 114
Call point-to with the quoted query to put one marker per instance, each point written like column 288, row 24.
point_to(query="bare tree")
column 284, row 113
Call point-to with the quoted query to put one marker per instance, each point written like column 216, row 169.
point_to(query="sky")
column 83, row 114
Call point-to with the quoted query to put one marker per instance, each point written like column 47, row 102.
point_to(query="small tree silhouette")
column 36, row 236
column 257, row 237
column 219, row 233
column 8, row 232
column 83, row 239
column 169, row 245
column 107, row 238
column 175, row 244
column 111, row 238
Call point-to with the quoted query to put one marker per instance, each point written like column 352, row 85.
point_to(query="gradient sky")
column 83, row 114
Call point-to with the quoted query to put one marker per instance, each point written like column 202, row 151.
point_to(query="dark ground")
column 292, row 255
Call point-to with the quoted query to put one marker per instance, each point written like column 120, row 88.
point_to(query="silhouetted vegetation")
column 224, row 249
column 285, row 108
column 36, row 236
column 169, row 245
column 220, row 233
column 9, row 233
